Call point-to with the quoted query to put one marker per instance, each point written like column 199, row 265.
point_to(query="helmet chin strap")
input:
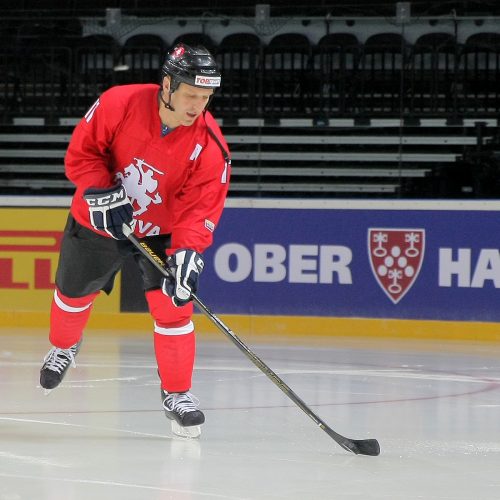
column 167, row 104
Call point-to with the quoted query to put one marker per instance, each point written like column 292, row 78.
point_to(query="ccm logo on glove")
column 108, row 199
column 186, row 267
column 109, row 209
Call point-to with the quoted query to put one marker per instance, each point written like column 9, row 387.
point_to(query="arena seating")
column 286, row 76
column 288, row 157
column 381, row 117
column 433, row 78
column 479, row 72
column 286, row 68
column 239, row 56
column 335, row 70
column 95, row 58
column 141, row 58
column 383, row 64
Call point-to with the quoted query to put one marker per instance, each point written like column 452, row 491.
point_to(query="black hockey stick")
column 358, row 446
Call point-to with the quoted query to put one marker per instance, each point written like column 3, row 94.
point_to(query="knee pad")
column 167, row 316
column 68, row 318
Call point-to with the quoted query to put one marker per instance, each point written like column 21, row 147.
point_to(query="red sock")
column 175, row 357
column 68, row 318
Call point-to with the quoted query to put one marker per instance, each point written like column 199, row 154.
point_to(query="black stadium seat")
column 239, row 56
column 335, row 74
column 95, row 59
column 41, row 67
column 141, row 59
column 433, row 73
column 385, row 56
column 287, row 60
column 479, row 71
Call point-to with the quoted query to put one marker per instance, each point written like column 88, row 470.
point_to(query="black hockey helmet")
column 192, row 65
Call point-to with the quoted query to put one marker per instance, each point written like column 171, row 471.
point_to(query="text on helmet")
column 207, row 81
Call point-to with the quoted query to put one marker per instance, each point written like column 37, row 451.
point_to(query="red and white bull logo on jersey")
column 207, row 81
column 396, row 257
column 141, row 185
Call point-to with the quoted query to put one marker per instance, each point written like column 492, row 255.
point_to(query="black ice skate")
column 55, row 365
column 182, row 409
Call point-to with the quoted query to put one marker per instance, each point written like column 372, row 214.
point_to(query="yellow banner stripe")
column 275, row 327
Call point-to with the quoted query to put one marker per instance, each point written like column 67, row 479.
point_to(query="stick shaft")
column 346, row 443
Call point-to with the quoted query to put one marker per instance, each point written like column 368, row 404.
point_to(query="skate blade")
column 191, row 432
column 46, row 392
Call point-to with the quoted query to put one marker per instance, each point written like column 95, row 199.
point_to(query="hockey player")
column 154, row 159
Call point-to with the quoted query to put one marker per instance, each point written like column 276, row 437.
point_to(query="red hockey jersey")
column 177, row 183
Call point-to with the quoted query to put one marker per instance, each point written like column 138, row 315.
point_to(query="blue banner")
column 407, row 263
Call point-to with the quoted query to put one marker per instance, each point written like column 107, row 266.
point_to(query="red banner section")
column 30, row 241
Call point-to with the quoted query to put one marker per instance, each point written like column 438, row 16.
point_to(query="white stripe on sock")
column 67, row 308
column 180, row 330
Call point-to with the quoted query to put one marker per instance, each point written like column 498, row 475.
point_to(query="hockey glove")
column 109, row 208
column 186, row 266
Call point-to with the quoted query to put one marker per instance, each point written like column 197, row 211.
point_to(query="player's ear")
column 166, row 83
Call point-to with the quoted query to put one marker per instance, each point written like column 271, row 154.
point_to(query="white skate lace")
column 183, row 402
column 57, row 359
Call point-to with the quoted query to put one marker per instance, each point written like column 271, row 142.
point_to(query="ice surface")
column 434, row 408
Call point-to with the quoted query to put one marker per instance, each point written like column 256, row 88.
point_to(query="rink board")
column 290, row 264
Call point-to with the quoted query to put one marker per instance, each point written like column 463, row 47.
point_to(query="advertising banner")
column 30, row 239
column 347, row 259
column 409, row 262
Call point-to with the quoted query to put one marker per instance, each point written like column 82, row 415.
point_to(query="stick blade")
column 357, row 446
column 369, row 447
